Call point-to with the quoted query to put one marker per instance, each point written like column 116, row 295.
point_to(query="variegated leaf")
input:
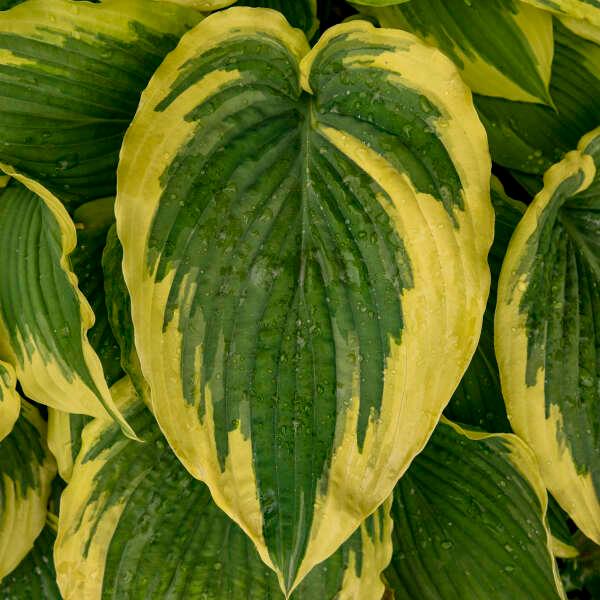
column 64, row 438
column 135, row 524
column 530, row 138
column 470, row 522
column 513, row 62
column 26, row 472
column 587, row 10
column 71, row 75
column 547, row 332
column 10, row 401
column 304, row 237
column 34, row 578
column 299, row 13
column 44, row 318
column 118, row 304
column 478, row 400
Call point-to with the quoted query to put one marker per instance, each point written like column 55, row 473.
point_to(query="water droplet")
column 446, row 544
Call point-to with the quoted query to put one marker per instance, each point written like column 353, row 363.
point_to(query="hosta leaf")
column 548, row 336
column 470, row 522
column 71, row 76
column 44, row 318
column 562, row 540
column 135, row 524
column 301, row 256
column 27, row 469
column 92, row 222
column 119, row 312
column 582, row 28
column 530, row 138
column 514, row 62
column 204, row 5
column 588, row 10
column 10, row 401
column 34, row 578
column 64, row 438
column 478, row 399
column 6, row 4
column 299, row 13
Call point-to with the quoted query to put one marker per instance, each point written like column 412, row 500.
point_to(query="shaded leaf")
column 470, row 522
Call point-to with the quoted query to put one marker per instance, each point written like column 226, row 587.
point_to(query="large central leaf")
column 305, row 245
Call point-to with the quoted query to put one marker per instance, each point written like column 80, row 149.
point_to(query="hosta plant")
column 269, row 326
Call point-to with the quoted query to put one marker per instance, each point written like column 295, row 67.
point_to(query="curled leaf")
column 44, row 317
column 547, row 332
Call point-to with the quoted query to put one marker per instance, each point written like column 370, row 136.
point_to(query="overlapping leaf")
column 548, row 335
column 304, row 243
column 27, row 469
column 44, row 318
column 530, row 138
column 299, row 13
column 118, row 305
column 34, row 578
column 10, row 401
column 71, row 74
column 92, row 222
column 470, row 522
column 512, row 62
column 64, row 438
column 587, row 10
column 134, row 523
column 562, row 540
column 478, row 400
